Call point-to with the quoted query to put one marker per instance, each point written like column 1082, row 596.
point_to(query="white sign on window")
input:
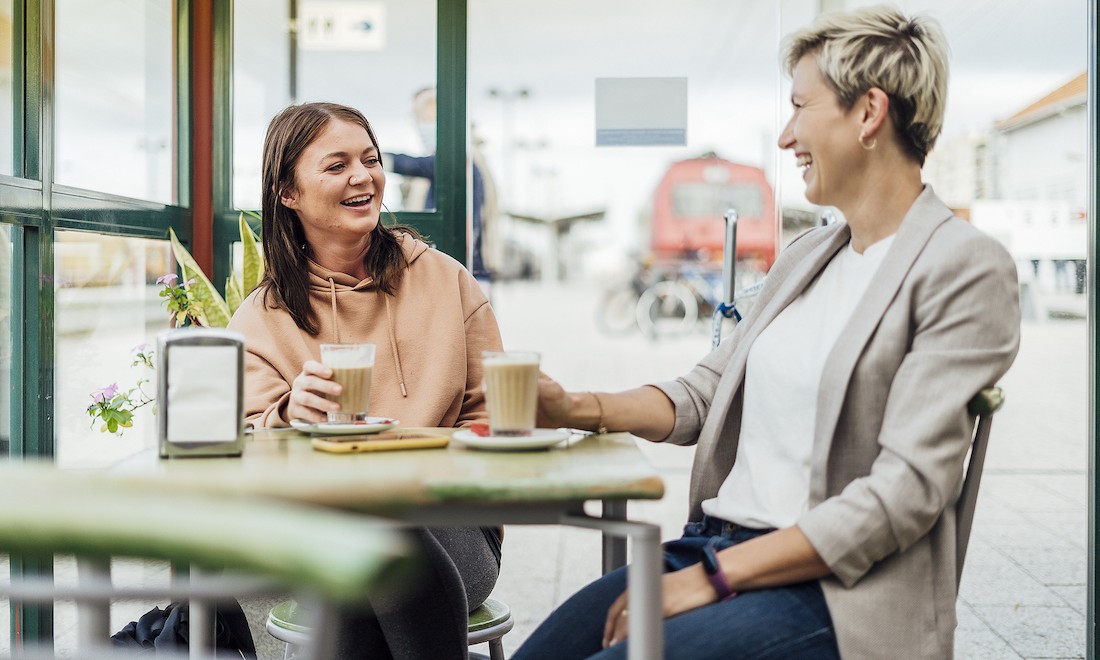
column 641, row 112
column 342, row 26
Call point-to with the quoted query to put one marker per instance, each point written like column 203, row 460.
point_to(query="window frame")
column 445, row 226
column 36, row 208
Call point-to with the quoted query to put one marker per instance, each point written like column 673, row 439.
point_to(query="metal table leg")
column 646, row 635
column 201, row 621
column 93, row 619
column 614, row 548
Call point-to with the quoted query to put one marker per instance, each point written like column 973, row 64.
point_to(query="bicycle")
column 615, row 315
column 673, row 307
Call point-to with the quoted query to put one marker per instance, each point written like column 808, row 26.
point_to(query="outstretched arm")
column 645, row 411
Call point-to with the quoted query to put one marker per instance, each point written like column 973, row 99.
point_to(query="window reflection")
column 115, row 97
column 107, row 304
column 372, row 56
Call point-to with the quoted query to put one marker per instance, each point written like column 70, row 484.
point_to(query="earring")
column 874, row 141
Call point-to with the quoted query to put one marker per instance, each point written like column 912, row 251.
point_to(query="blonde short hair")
column 881, row 47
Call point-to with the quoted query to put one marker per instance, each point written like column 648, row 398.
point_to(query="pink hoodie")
column 428, row 340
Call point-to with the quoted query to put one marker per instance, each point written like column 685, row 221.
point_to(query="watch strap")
column 713, row 569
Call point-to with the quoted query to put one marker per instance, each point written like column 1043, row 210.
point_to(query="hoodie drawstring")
column 389, row 328
column 332, row 300
column 393, row 345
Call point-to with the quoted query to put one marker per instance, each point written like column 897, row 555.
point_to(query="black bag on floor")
column 168, row 630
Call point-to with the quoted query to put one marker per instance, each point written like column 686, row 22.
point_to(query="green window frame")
column 36, row 208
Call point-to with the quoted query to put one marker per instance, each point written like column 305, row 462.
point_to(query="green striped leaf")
column 215, row 312
column 253, row 261
column 233, row 296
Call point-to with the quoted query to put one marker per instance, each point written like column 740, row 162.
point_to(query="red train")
column 690, row 204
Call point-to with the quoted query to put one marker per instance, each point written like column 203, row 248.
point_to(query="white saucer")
column 539, row 439
column 369, row 425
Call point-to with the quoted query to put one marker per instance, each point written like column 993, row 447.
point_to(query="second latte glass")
column 511, row 381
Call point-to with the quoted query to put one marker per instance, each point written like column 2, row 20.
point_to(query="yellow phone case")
column 353, row 444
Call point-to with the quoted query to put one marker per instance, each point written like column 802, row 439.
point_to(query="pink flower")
column 105, row 394
column 168, row 280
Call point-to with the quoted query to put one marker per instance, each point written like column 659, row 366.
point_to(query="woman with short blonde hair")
column 880, row 47
column 831, row 427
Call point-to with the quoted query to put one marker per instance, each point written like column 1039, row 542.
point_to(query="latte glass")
column 352, row 366
column 511, row 381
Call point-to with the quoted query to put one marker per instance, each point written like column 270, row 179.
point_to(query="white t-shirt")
column 769, row 485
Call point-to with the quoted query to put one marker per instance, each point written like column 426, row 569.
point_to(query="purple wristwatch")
column 714, row 572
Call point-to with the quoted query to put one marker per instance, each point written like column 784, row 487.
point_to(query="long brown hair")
column 286, row 277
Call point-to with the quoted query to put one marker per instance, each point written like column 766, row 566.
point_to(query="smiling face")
column 338, row 185
column 824, row 138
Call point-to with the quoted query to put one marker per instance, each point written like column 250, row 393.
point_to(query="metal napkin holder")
column 200, row 392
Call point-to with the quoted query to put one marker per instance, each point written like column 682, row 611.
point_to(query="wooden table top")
column 283, row 464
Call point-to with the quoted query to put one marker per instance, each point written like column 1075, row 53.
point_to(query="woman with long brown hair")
column 336, row 274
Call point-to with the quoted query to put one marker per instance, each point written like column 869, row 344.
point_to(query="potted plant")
column 190, row 300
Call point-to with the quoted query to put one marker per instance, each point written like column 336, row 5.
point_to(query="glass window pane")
column 372, row 56
column 1005, row 59
column 7, row 92
column 107, row 304
column 570, row 209
column 261, row 66
column 115, row 97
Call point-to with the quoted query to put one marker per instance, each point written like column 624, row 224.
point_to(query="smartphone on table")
column 348, row 444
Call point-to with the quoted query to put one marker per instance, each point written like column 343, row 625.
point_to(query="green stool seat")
column 287, row 616
column 488, row 623
column 492, row 613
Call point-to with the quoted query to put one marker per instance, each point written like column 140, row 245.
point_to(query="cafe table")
column 453, row 486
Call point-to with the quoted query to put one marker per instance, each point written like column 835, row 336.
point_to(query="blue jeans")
column 784, row 622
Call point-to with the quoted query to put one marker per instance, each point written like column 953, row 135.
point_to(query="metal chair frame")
column 983, row 406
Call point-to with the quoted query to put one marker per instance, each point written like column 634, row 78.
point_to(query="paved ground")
column 1023, row 593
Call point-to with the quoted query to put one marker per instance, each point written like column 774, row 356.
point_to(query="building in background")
column 1040, row 150
column 1026, row 183
column 960, row 171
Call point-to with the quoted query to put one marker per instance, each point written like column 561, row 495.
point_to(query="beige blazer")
column 939, row 322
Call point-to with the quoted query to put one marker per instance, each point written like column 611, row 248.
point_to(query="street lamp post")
column 507, row 99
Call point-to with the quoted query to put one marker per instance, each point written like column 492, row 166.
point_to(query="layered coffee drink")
column 511, row 391
column 352, row 367
column 354, row 399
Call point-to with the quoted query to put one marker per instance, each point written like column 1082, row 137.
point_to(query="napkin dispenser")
column 200, row 384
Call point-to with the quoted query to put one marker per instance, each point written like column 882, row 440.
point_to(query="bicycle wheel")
column 667, row 309
column 615, row 315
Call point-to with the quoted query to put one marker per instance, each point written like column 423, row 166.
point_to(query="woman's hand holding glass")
column 555, row 404
column 308, row 392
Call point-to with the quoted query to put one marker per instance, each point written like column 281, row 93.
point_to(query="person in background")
column 420, row 197
column 831, row 427
column 336, row 274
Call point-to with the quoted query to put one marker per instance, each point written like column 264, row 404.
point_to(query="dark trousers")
column 784, row 622
column 430, row 619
